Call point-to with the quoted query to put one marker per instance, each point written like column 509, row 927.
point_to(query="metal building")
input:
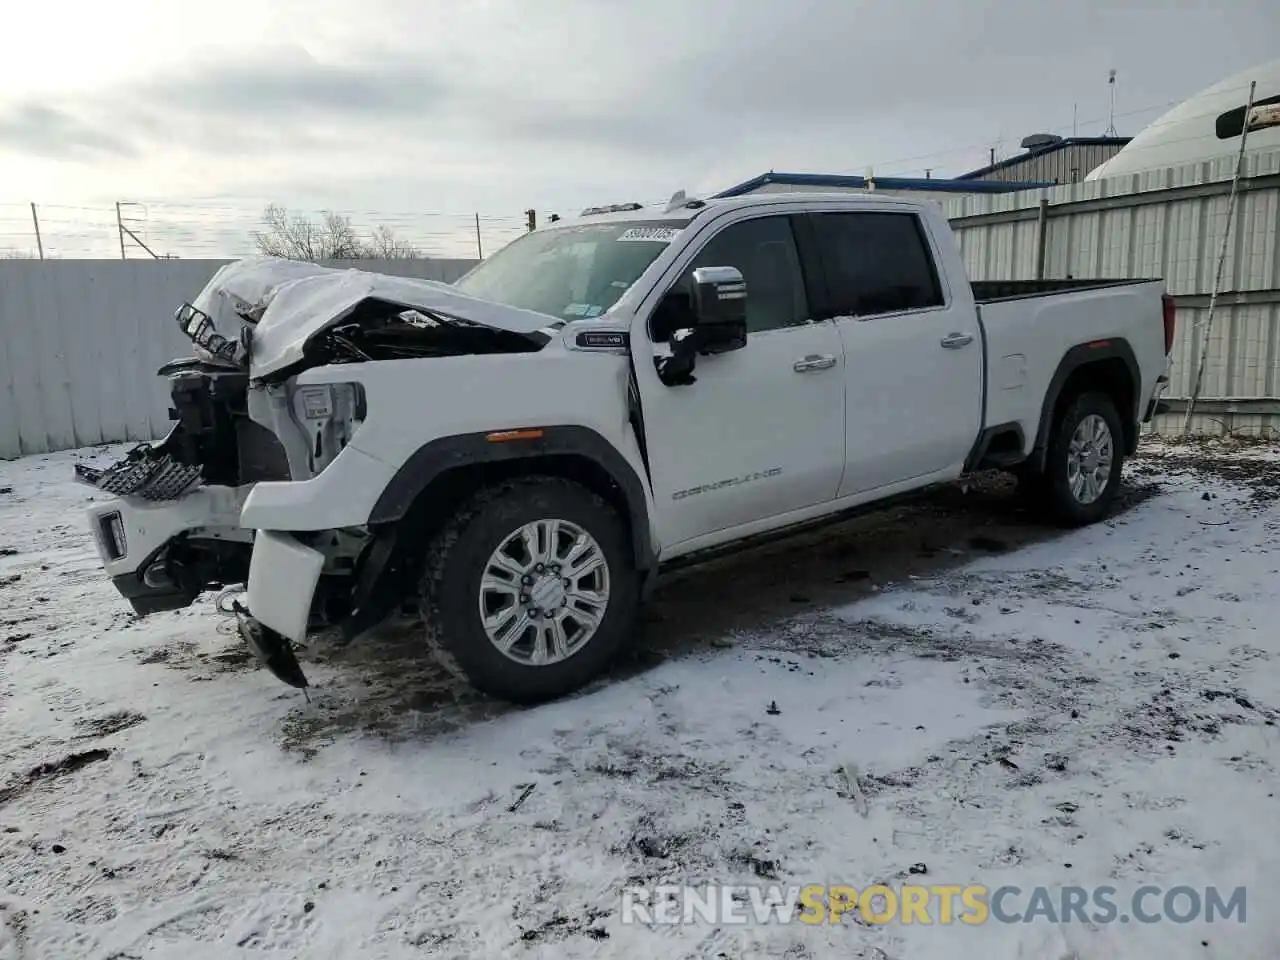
column 1053, row 159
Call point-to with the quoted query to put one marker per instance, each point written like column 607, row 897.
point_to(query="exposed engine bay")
column 378, row 330
column 241, row 419
column 235, row 428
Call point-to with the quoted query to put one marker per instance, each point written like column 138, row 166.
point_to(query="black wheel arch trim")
column 443, row 454
column 1081, row 355
column 978, row 455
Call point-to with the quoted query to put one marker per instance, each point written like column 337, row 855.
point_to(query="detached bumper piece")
column 145, row 472
column 271, row 648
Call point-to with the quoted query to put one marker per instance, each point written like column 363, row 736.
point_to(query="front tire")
column 530, row 590
column 1085, row 460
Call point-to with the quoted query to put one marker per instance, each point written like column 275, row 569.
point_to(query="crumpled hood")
column 294, row 301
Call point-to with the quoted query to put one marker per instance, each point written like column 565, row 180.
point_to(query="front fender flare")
column 441, row 455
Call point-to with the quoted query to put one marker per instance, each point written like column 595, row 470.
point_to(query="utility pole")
column 479, row 248
column 132, row 235
column 35, row 222
column 120, row 229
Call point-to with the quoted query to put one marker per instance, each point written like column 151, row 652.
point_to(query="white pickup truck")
column 519, row 454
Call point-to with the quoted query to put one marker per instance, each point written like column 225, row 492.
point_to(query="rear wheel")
column 530, row 589
column 1084, row 461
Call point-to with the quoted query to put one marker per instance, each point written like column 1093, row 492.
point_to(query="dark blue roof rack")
column 843, row 182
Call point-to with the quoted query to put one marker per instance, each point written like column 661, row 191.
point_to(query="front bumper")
column 134, row 536
column 127, row 530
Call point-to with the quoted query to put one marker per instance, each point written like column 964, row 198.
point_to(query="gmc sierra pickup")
column 518, row 454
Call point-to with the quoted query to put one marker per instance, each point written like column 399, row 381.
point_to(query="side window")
column 877, row 263
column 765, row 251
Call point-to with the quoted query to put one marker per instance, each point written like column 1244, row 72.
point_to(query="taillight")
column 1170, row 321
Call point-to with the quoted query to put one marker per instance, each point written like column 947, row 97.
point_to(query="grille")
column 143, row 474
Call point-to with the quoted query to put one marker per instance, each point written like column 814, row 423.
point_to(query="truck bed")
column 992, row 291
column 1030, row 326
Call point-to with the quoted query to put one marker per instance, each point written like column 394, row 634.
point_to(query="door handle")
column 954, row 341
column 814, row 361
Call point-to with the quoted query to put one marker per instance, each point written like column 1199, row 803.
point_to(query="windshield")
column 571, row 272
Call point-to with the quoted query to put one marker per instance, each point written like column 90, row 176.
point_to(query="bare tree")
column 333, row 238
column 385, row 245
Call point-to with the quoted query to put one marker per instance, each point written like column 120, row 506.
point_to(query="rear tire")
column 549, row 564
column 1084, row 461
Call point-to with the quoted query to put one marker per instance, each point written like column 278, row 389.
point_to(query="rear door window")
column 877, row 263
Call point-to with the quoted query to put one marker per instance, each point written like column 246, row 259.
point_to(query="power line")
column 226, row 231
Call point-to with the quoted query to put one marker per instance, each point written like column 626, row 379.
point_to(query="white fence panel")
column 81, row 340
column 1164, row 224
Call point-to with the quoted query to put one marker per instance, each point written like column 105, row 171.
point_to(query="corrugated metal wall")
column 1163, row 224
column 80, row 341
column 1067, row 165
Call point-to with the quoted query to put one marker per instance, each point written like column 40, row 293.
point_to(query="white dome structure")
column 1205, row 126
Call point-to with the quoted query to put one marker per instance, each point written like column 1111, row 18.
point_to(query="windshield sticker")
column 648, row 235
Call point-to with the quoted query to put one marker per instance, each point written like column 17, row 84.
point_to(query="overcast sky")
column 497, row 105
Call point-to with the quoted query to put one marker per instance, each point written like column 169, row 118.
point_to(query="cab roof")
column 691, row 208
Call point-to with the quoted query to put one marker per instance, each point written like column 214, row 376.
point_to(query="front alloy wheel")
column 530, row 589
column 544, row 592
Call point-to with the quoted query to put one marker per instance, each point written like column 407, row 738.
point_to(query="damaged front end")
column 257, row 488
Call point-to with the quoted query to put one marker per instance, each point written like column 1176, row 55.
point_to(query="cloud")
column 291, row 85
column 47, row 131
column 499, row 105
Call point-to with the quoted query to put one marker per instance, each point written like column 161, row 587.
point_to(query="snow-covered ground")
column 1015, row 707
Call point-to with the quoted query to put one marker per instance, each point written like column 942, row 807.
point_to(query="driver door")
column 760, row 433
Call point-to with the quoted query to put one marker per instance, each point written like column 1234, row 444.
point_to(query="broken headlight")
column 199, row 329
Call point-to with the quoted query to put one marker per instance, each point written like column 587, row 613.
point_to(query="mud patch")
column 829, row 636
column 187, row 655
column 105, row 726
column 1216, row 463
column 60, row 768
column 753, row 592
column 649, row 841
column 560, row 927
column 386, row 690
column 172, row 653
column 628, row 759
